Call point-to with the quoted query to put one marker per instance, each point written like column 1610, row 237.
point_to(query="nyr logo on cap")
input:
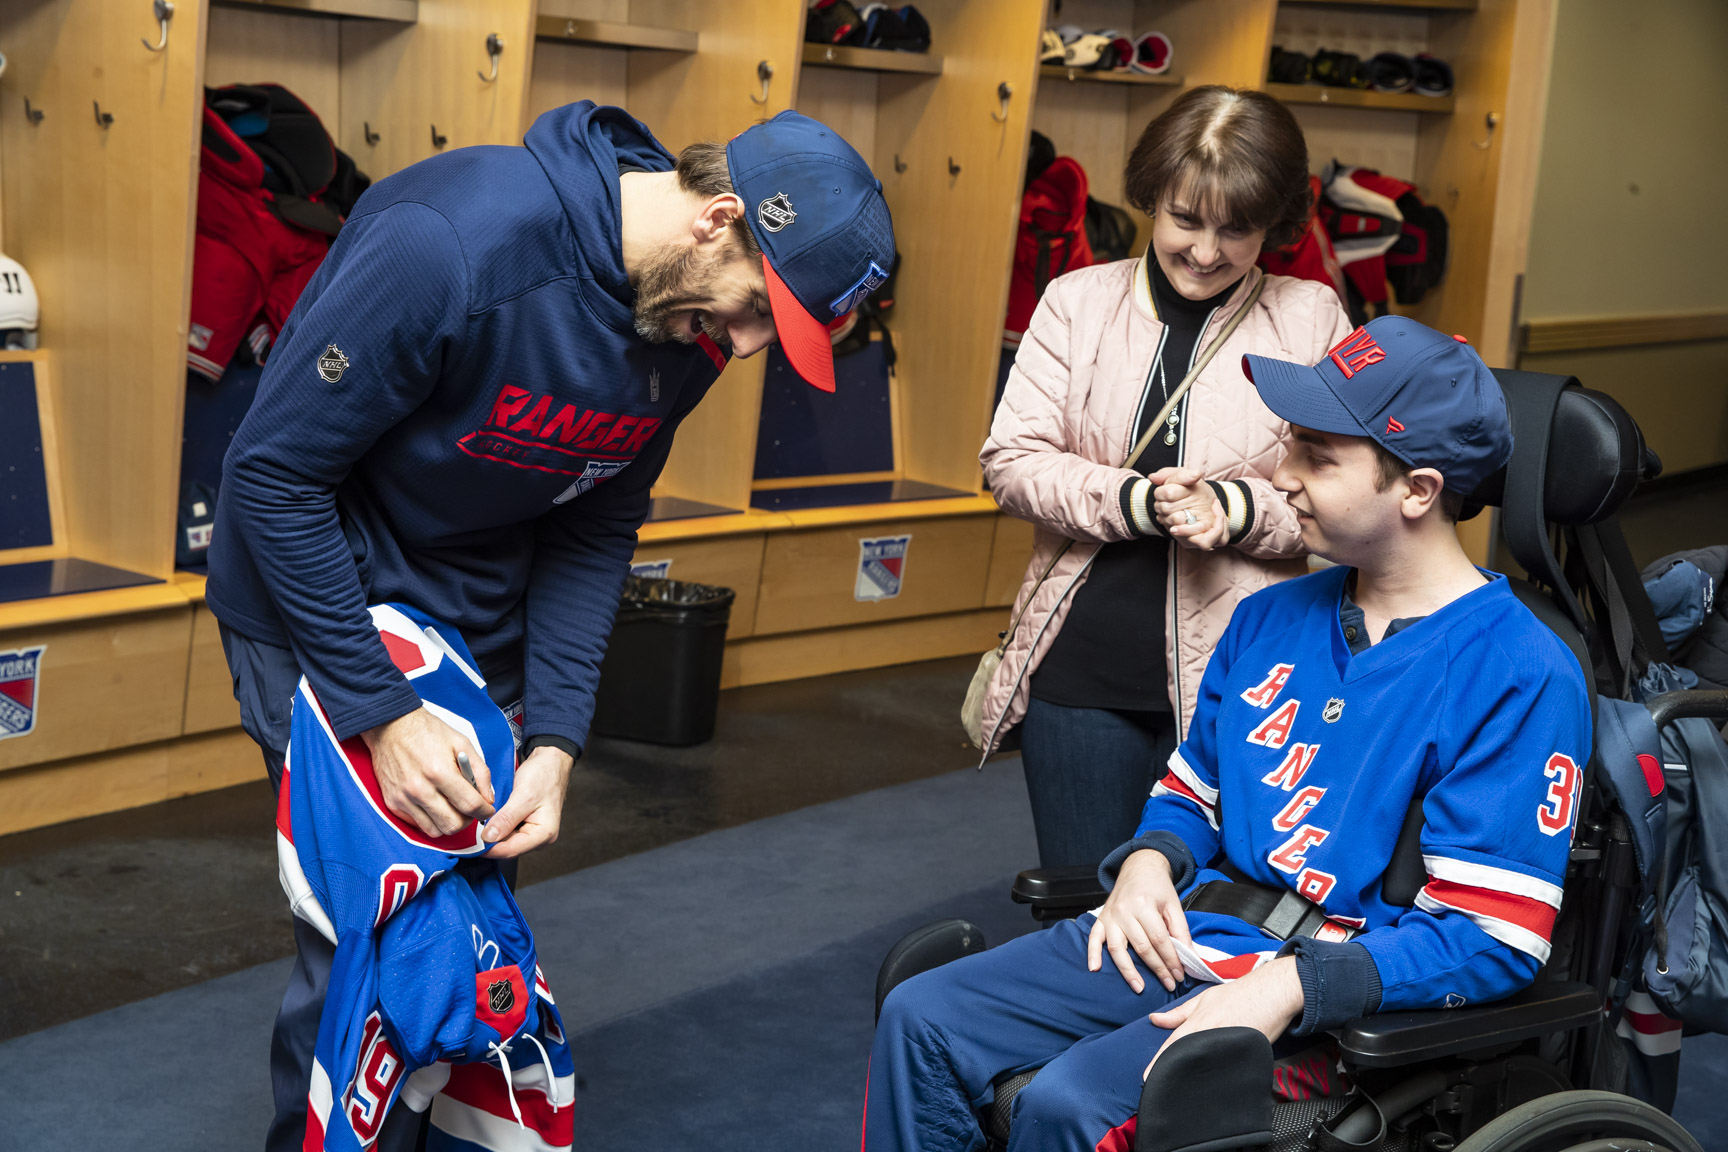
column 872, row 279
column 332, row 364
column 1355, row 352
column 775, row 212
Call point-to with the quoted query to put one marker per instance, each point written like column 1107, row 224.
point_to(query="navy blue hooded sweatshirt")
column 459, row 415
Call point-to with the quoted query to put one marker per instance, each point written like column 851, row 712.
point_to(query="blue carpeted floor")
column 718, row 991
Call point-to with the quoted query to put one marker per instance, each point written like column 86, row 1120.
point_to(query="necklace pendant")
column 1170, row 437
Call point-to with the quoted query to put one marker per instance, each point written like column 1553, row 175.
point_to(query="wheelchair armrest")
column 1391, row 1039
column 1058, row 893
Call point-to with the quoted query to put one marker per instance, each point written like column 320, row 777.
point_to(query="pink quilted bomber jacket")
column 1065, row 423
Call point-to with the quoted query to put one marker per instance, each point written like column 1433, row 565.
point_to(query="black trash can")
column 660, row 680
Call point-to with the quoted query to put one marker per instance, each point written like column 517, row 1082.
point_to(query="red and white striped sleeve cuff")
column 1515, row 909
column 1651, row 1032
column 1183, row 781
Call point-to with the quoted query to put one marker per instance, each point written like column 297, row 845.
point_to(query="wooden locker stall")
column 98, row 180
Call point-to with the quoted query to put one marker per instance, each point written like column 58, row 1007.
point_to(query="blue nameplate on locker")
column 24, row 518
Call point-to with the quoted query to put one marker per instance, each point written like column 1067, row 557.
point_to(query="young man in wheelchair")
column 1404, row 675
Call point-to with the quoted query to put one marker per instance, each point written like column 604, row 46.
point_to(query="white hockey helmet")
column 18, row 306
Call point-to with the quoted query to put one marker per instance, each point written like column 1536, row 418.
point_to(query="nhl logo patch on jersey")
column 1334, row 709
column 332, row 364
column 881, row 567
column 19, row 671
column 775, row 212
column 596, row 471
column 501, row 996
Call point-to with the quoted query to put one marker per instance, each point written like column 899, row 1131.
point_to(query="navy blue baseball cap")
column 818, row 215
column 1425, row 397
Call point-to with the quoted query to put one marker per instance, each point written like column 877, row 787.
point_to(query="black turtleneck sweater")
column 1110, row 651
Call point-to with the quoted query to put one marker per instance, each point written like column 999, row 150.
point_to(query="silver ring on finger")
column 1191, row 518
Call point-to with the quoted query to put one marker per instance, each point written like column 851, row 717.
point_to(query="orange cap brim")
column 803, row 338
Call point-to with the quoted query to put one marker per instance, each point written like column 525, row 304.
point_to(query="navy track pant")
column 948, row 1034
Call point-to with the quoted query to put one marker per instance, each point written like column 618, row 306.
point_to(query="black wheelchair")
column 1541, row 1071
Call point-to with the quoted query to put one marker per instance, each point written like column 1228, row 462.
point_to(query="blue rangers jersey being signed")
column 435, row 999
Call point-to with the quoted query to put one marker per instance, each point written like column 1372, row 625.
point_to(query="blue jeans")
column 1088, row 774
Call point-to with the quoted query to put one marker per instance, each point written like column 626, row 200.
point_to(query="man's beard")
column 671, row 281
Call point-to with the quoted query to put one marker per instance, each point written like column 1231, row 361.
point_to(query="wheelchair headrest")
column 1595, row 454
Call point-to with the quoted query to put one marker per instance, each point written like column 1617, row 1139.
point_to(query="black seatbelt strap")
column 1278, row 912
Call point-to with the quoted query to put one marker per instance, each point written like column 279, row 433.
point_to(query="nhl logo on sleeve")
column 19, row 672
column 881, row 567
column 332, row 364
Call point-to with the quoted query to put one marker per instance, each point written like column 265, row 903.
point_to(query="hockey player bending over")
column 1333, row 702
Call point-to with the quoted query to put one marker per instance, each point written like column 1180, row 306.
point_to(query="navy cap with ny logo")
column 1422, row 395
column 817, row 212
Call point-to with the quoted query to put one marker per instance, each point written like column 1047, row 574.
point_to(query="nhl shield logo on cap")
column 332, row 364
column 501, row 996
column 775, row 212
column 1334, row 709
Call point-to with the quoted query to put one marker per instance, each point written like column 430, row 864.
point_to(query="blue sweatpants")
column 946, row 1035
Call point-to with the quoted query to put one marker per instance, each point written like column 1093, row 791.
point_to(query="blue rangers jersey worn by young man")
column 435, row 998
column 460, row 415
column 1302, row 762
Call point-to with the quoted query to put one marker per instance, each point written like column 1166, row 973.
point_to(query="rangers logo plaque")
column 881, row 567
column 20, row 671
column 332, row 364
column 775, row 212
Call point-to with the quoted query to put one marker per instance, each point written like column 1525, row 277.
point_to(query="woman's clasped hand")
column 1189, row 509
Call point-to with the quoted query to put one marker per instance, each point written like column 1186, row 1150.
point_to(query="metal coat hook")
column 33, row 115
column 1004, row 93
column 899, row 164
column 164, row 11
column 103, row 119
column 953, row 168
column 1483, row 144
column 494, row 49
column 437, row 140
column 764, row 73
column 367, row 134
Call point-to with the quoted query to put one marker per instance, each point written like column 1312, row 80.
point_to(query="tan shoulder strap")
column 1200, row 363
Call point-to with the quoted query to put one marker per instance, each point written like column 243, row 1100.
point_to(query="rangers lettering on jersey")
column 1275, row 729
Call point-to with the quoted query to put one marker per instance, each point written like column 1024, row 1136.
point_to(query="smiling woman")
column 1105, row 663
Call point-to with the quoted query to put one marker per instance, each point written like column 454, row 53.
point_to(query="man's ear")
column 1425, row 487
column 715, row 217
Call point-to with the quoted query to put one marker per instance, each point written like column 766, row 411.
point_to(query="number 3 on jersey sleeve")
column 1554, row 814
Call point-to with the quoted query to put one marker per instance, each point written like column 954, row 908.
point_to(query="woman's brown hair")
column 1238, row 152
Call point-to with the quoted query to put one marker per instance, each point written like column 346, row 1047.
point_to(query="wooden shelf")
column 1060, row 72
column 871, row 59
column 400, row 11
column 1359, row 98
column 614, row 35
column 1432, row 5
